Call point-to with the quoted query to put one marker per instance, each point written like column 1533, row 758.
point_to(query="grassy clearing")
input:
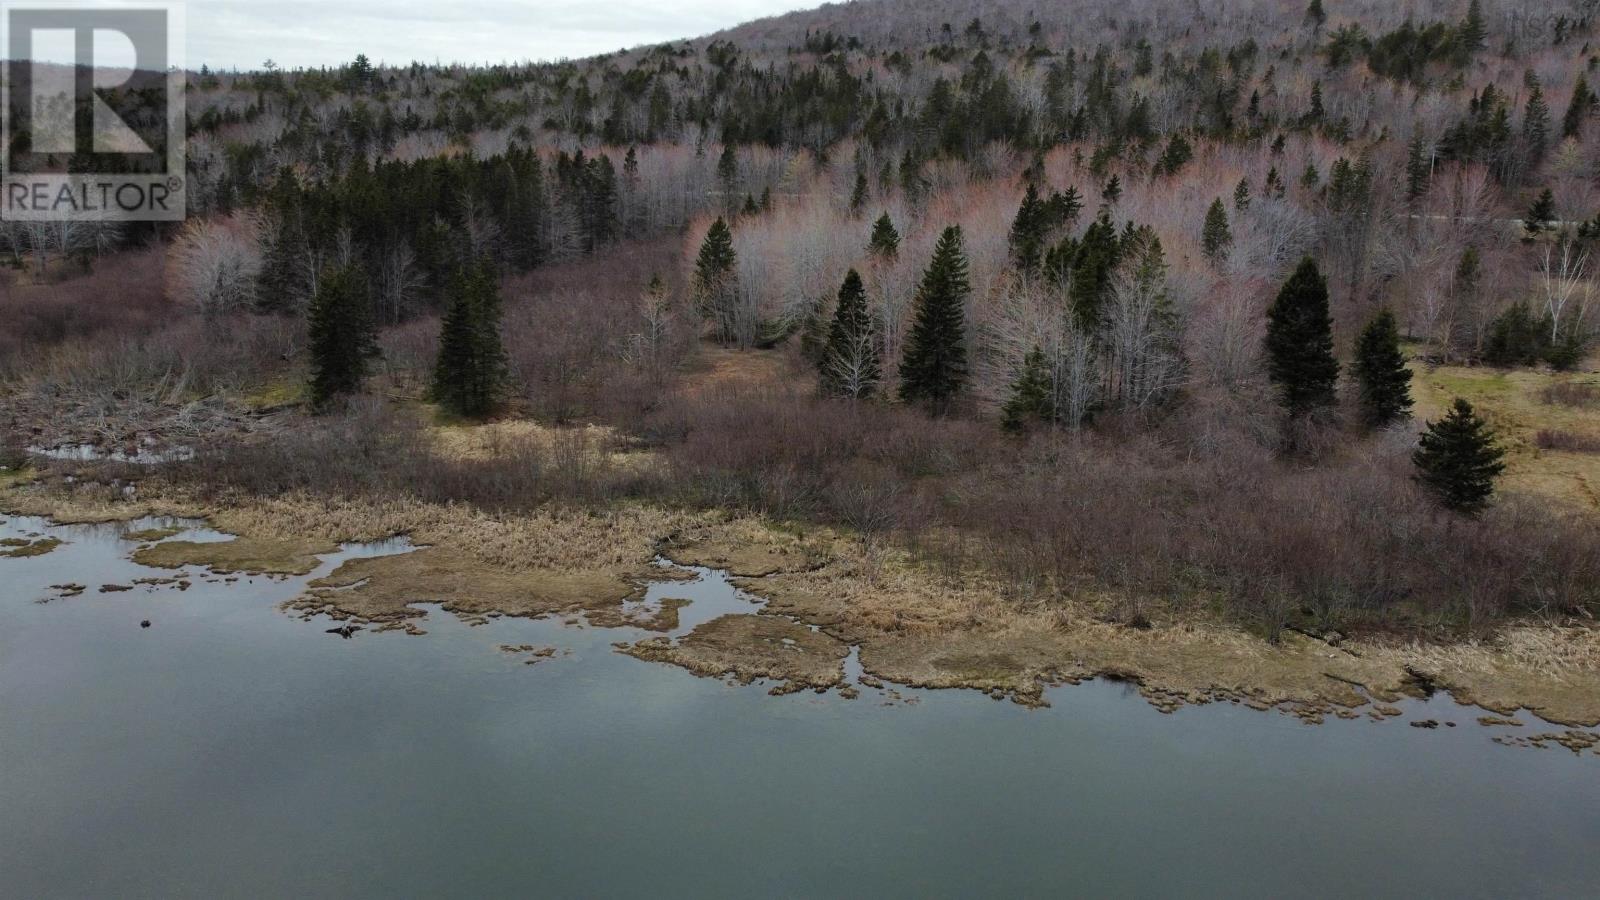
column 1517, row 403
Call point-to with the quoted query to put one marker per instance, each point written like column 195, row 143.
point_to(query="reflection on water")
column 230, row 749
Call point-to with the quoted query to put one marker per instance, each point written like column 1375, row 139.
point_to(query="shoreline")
column 829, row 593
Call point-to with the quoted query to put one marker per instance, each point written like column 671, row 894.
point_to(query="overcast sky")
column 244, row 33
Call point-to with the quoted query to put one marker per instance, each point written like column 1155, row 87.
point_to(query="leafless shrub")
column 1567, row 441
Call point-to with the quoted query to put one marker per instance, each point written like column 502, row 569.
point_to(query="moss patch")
column 19, row 549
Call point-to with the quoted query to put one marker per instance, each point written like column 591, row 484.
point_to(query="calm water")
column 232, row 750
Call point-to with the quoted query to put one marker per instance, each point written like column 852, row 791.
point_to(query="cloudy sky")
column 244, row 33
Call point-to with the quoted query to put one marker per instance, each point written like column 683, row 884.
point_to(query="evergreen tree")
column 1536, row 123
column 1310, row 178
column 1318, row 112
column 1028, row 231
column 1316, row 17
column 1275, row 188
column 342, row 339
column 1030, row 395
column 1216, row 237
column 1458, row 460
column 716, row 281
column 849, row 366
column 885, row 241
column 1178, row 153
column 1241, row 196
column 469, row 378
column 859, row 196
column 1473, row 30
column 1419, row 168
column 1540, row 214
column 1299, row 344
column 1578, row 110
column 1381, row 371
column 1112, row 191
column 934, row 367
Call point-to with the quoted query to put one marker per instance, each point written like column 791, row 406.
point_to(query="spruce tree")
column 1419, row 168
column 885, row 241
column 1030, row 395
column 1578, row 109
column 1381, row 372
column 342, row 339
column 1299, row 344
column 1177, row 154
column 849, row 366
column 934, row 367
column 1112, row 192
column 1458, row 460
column 1316, row 17
column 715, row 280
column 1540, row 213
column 1028, row 231
column 859, row 196
column 1241, row 196
column 1536, row 123
column 1473, row 30
column 470, row 375
column 1216, row 238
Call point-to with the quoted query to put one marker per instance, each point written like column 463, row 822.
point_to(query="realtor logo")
column 92, row 113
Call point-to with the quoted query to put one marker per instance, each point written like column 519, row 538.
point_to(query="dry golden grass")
column 273, row 556
column 747, row 647
column 913, row 625
column 1511, row 401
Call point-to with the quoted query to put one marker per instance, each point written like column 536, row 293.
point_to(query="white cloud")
column 243, row 33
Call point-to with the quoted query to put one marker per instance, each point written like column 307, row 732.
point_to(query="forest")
column 1275, row 313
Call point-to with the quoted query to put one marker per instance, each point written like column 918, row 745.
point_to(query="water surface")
column 233, row 750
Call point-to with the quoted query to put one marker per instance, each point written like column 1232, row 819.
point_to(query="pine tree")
column 1578, row 110
column 1310, row 178
column 1216, row 237
column 1299, row 344
column 1536, row 123
column 1473, row 31
column 1458, row 460
column 885, row 241
column 859, row 196
column 1540, row 214
column 1112, row 191
column 1241, row 196
column 1419, row 168
column 1381, row 371
column 1316, row 17
column 715, row 280
column 1028, row 231
column 469, row 377
column 934, row 367
column 1318, row 112
column 849, row 365
column 1275, row 188
column 1177, row 154
column 342, row 340
column 1030, row 395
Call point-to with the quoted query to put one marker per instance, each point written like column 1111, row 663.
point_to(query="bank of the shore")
column 911, row 625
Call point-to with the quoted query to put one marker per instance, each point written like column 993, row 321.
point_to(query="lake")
column 231, row 749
